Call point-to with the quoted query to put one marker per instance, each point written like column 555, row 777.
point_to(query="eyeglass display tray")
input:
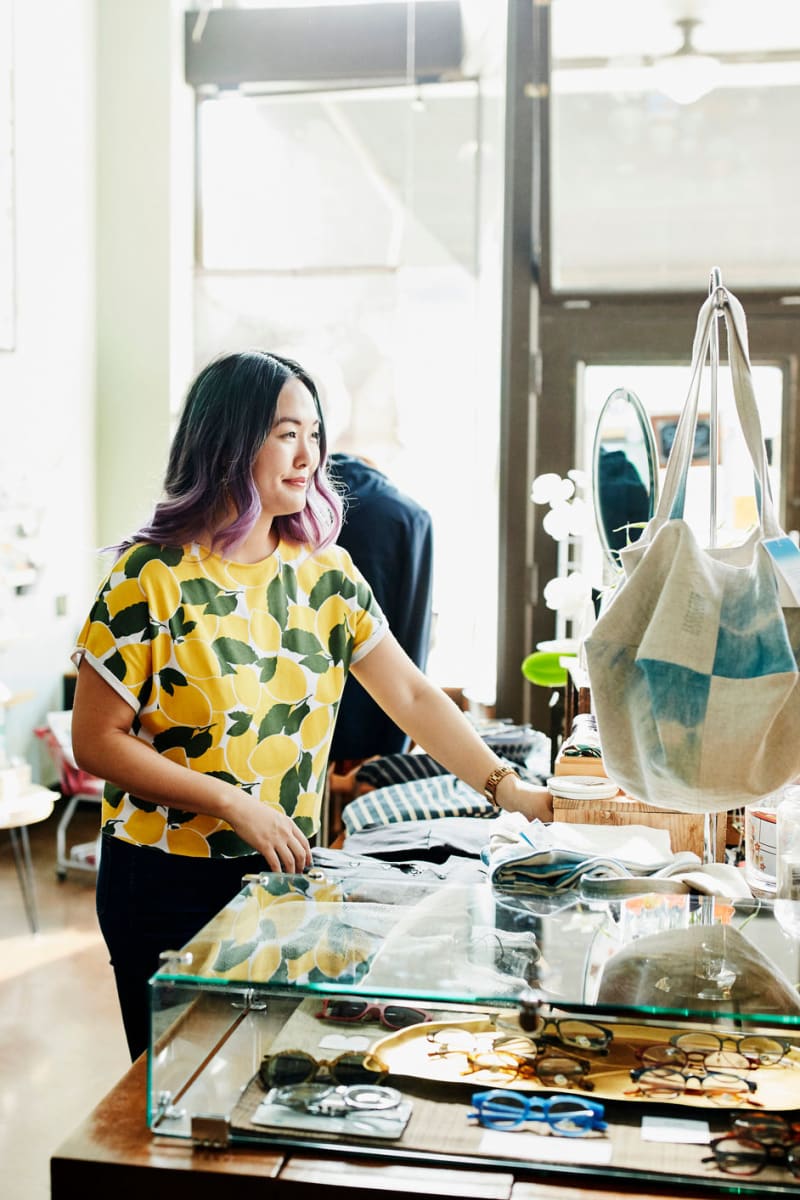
column 463, row 951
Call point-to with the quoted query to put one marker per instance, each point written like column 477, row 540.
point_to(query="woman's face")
column 285, row 464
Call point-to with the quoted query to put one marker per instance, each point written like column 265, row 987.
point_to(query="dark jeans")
column 149, row 901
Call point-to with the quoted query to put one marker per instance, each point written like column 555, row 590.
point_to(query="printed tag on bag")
column 785, row 557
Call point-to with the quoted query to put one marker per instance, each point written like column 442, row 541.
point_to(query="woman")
column 212, row 664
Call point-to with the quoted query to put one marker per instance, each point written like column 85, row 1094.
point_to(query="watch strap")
column 490, row 787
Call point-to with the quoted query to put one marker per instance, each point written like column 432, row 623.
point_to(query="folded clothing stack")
column 531, row 857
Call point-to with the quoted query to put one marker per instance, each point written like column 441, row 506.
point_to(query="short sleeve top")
column 232, row 669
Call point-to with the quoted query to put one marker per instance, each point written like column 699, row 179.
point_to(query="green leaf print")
column 268, row 667
column 231, row 953
column 145, row 805
column 338, row 641
column 332, row 583
column 304, row 769
column 214, row 598
column 300, row 641
column 305, row 825
column 241, row 722
column 231, row 653
column 100, row 611
column 277, row 602
column 290, row 790
column 198, row 745
column 180, row 735
column 289, row 581
column 113, row 795
column 364, row 596
column 199, row 591
column 169, row 679
column 227, row 844
column 293, row 721
column 178, row 816
column 170, row 555
column 179, row 627
column 223, row 605
column 133, row 619
column 318, row 663
column 274, row 721
column 116, row 665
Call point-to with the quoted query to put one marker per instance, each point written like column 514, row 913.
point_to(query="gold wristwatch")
column 490, row 787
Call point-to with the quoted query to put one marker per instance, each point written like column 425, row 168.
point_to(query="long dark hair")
column 228, row 412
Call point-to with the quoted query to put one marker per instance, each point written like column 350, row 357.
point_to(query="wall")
column 47, row 380
column 144, row 252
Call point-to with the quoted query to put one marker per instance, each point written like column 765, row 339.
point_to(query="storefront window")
column 673, row 144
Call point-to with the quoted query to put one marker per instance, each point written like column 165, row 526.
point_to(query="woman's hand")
column 269, row 831
column 102, row 744
column 514, row 795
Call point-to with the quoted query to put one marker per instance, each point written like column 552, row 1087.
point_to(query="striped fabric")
column 415, row 800
column 398, row 768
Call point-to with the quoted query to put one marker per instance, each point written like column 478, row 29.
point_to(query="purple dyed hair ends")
column 228, row 412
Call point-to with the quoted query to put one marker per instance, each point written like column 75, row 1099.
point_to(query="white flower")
column 558, row 522
column 569, row 595
column 551, row 489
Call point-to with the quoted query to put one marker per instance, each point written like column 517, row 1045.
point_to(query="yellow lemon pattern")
column 234, row 670
column 292, row 930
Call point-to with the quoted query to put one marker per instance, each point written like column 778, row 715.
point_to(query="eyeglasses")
column 566, row 1115
column 748, row 1052
column 526, row 1062
column 392, row 1016
column 768, row 1129
column 665, row 1083
column 568, row 1031
column 295, row 1066
column 740, row 1155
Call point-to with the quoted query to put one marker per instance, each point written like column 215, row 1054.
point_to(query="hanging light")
column 686, row 75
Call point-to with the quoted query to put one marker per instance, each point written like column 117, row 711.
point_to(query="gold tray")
column 407, row 1053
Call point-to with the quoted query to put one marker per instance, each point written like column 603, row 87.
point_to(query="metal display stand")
column 716, row 290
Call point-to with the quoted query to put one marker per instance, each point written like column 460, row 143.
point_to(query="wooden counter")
column 113, row 1153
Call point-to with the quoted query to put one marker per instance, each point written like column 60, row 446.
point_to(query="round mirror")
column 624, row 472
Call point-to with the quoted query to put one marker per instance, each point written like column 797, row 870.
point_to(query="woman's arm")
column 432, row 720
column 103, row 745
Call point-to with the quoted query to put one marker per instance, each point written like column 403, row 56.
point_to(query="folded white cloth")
column 531, row 857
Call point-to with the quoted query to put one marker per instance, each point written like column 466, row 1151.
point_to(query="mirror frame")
column 648, row 437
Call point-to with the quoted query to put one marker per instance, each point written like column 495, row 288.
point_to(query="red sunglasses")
column 392, row 1016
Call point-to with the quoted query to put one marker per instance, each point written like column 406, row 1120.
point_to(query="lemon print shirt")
column 232, row 669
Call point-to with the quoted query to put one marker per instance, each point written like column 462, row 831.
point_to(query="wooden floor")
column 61, row 1041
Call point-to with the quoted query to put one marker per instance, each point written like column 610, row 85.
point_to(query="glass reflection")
column 624, row 476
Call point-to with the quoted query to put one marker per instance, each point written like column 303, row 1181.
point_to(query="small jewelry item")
column 490, row 787
column 322, row 1099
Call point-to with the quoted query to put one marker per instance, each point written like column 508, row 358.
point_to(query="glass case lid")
column 468, row 942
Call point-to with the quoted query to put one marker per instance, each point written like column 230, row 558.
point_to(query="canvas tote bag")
column 693, row 664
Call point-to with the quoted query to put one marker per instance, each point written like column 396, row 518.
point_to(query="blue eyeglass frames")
column 571, row 1117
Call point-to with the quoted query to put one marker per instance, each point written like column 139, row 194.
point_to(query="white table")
column 16, row 814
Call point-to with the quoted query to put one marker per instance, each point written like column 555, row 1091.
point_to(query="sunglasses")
column 295, row 1066
column 566, row 1115
column 391, row 1016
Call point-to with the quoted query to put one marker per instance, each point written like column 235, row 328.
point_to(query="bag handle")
column 673, row 493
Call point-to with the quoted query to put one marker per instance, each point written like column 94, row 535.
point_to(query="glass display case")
column 365, row 1008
